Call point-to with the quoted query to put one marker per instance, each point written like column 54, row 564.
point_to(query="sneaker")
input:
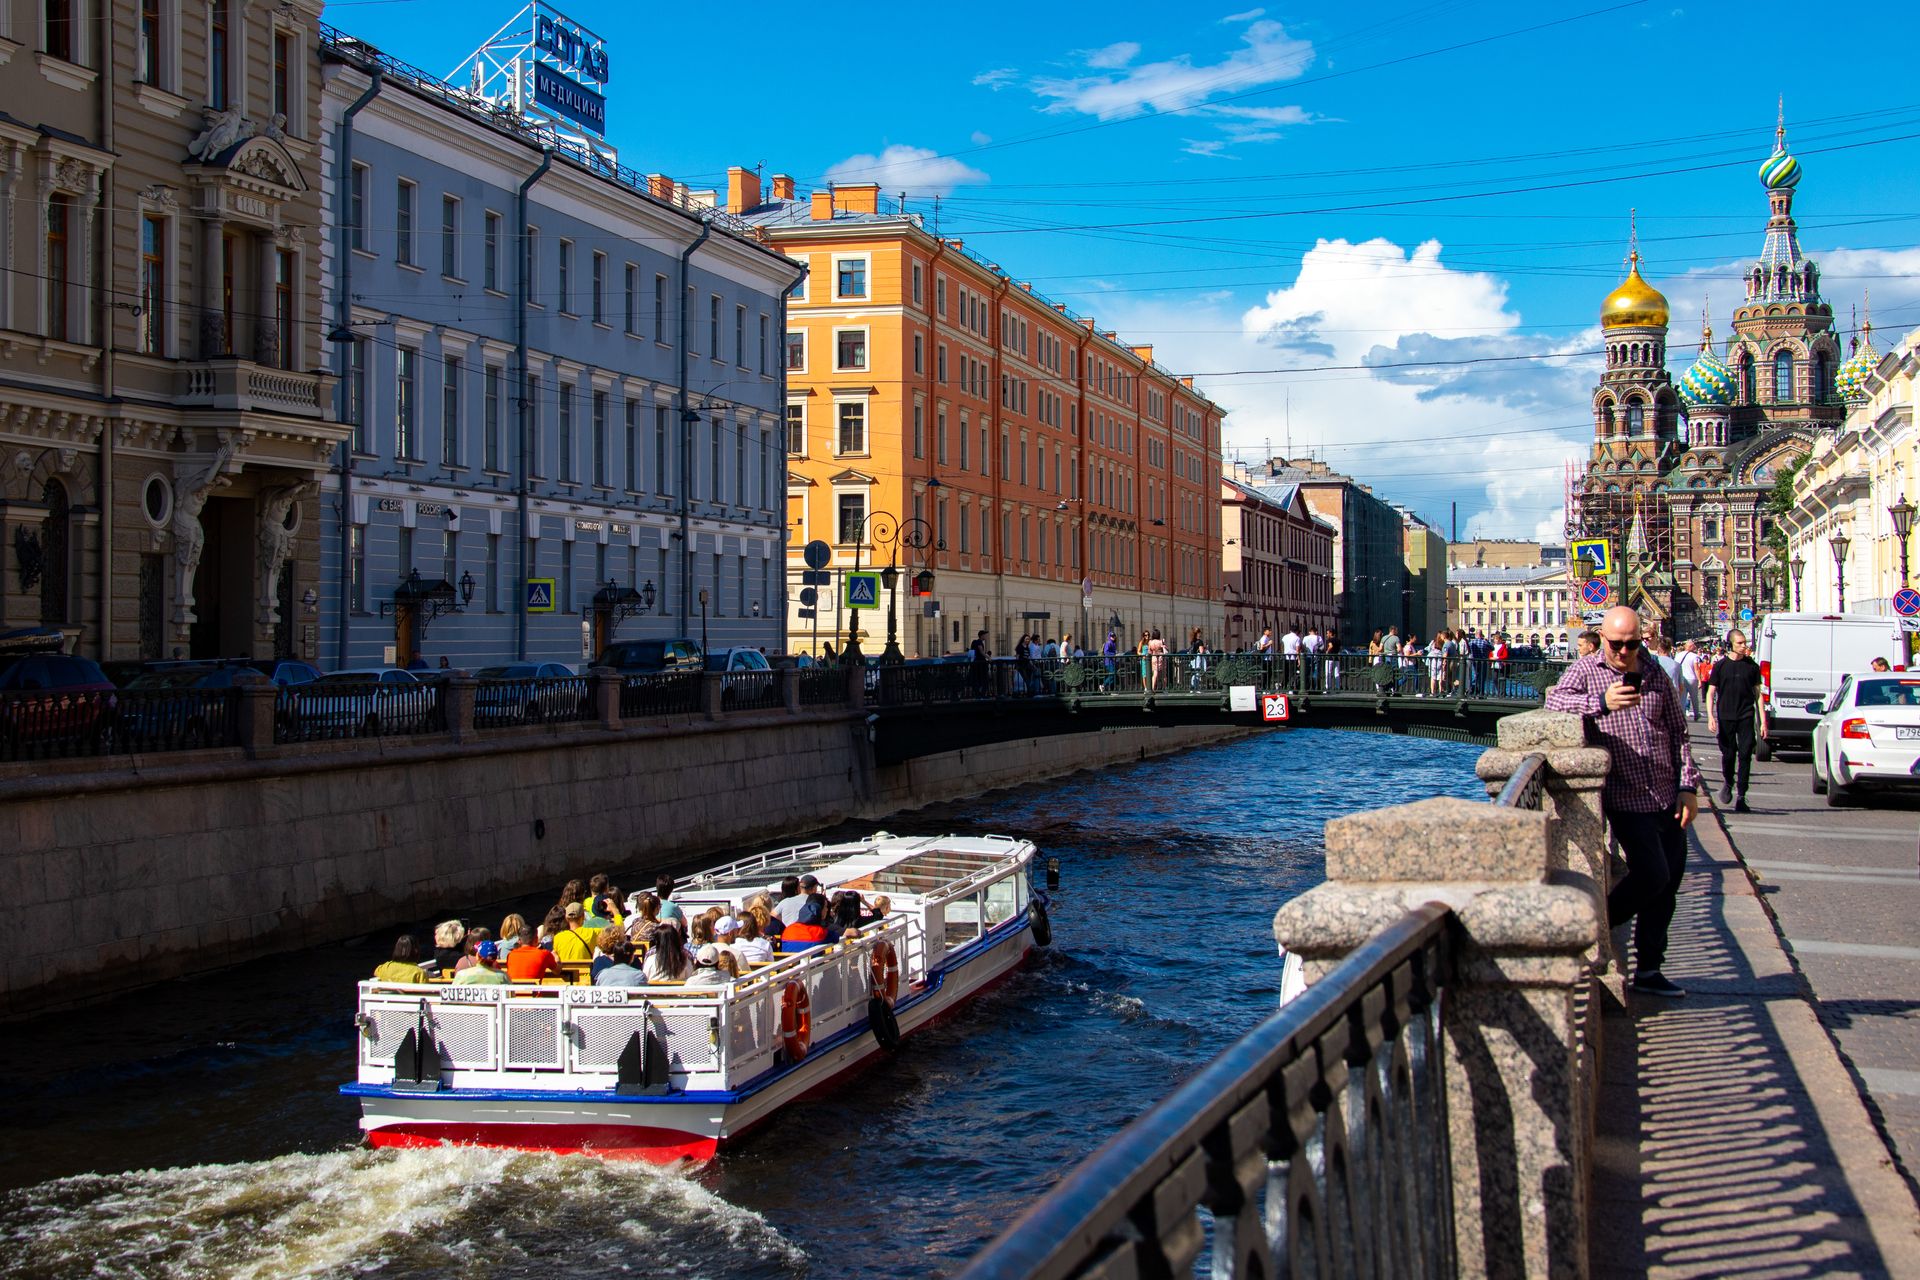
column 1653, row 983
column 1740, row 805
column 1726, row 794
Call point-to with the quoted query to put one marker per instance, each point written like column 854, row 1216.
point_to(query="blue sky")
column 1264, row 192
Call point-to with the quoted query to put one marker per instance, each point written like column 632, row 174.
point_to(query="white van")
column 1802, row 657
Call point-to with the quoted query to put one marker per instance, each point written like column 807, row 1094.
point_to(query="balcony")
column 237, row 385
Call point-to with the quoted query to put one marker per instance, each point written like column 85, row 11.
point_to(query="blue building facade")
column 565, row 391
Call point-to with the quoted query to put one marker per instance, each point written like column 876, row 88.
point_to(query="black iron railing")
column 668, row 693
column 1316, row 1145
column 175, row 719
column 57, row 724
column 358, row 709
column 750, row 691
column 822, row 686
column 554, row 700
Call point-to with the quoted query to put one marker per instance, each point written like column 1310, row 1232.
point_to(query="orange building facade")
column 943, row 417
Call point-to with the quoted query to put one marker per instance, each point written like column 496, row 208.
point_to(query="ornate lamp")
column 1901, row 513
column 1796, row 566
column 1840, row 542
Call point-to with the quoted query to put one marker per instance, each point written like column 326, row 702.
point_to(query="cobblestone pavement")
column 1732, row 1139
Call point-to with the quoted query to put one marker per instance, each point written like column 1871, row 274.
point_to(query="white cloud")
column 979, row 139
column 1270, row 56
column 919, row 170
column 1248, row 16
column 997, row 79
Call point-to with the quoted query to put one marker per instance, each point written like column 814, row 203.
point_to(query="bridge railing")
column 1425, row 1108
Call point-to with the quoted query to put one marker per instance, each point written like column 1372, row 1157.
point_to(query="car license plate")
column 1902, row 733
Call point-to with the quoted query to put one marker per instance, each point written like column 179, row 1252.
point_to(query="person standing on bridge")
column 1733, row 713
column 1652, row 789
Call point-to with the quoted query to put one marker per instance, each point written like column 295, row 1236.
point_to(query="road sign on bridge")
column 1274, row 707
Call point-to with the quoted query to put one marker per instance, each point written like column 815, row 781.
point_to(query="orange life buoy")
column 886, row 971
column 796, row 1021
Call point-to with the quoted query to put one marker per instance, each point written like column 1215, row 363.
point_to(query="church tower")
column 1635, row 419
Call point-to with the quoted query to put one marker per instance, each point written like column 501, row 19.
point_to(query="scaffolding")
column 547, row 72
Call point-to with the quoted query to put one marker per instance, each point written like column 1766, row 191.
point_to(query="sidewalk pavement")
column 1732, row 1139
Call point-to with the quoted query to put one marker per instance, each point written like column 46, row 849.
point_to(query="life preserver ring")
column 886, row 971
column 1037, row 920
column 886, row 1028
column 796, row 1021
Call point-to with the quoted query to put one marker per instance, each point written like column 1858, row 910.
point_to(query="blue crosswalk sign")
column 539, row 595
column 863, row 591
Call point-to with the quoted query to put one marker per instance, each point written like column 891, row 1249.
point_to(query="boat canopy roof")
column 917, row 866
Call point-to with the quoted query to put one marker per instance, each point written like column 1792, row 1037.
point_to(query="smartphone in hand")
column 1631, row 679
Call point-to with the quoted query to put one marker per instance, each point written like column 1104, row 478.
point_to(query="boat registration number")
column 1902, row 733
column 593, row 995
column 472, row 995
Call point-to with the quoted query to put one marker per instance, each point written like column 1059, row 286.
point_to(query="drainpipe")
column 521, row 282
column 104, row 309
column 686, row 435
column 343, row 316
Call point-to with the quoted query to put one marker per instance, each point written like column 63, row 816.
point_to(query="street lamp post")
column 703, row 619
column 1798, row 567
column 1840, row 542
column 1902, row 514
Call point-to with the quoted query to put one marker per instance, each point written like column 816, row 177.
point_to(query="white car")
column 1868, row 735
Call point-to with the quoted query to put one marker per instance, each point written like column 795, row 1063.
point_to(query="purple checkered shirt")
column 1651, row 759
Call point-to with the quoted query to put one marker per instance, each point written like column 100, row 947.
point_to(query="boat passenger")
column 667, row 958
column 699, row 932
column 573, row 891
column 730, row 967
column 475, row 937
column 878, row 911
column 643, row 917
column 601, row 900
column 528, row 962
column 622, row 972
column 706, row 968
column 790, row 907
column 670, row 912
column 807, row 931
column 486, row 969
column 555, row 921
column 605, row 946
column 752, row 946
column 846, row 910
column 403, row 967
column 447, row 937
column 510, row 930
column 574, row 942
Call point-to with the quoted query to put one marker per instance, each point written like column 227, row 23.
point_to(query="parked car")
column 1802, row 657
column 365, row 701
column 282, row 671
column 52, row 699
column 508, row 694
column 1867, row 735
column 741, row 659
column 650, row 657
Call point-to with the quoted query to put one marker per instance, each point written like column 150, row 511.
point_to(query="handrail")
column 1130, row 1208
column 1527, row 785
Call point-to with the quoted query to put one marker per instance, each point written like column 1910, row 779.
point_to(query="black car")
column 650, row 657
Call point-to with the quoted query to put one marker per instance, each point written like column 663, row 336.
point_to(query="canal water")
column 193, row 1130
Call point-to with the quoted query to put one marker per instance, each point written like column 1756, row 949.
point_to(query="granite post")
column 1513, row 1070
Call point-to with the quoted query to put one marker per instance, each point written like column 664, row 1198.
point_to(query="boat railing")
column 754, row 863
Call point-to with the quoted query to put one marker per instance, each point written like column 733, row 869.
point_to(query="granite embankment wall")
column 178, row 864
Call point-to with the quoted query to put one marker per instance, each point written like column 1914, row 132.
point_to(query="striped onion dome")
column 1709, row 383
column 1850, row 380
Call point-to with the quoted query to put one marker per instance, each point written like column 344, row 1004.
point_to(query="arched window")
column 1606, row 417
column 1747, row 394
column 55, row 566
column 1709, row 528
column 1783, row 376
column 1822, row 378
column 1636, row 417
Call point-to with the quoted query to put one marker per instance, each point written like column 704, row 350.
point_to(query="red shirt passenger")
column 528, row 963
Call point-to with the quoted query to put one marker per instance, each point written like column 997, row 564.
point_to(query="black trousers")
column 1736, row 751
column 1655, row 847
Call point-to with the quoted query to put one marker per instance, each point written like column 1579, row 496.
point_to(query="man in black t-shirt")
column 1734, row 713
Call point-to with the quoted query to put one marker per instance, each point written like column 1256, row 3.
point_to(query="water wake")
column 486, row 1213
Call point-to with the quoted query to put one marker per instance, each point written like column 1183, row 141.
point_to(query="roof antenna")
column 1633, row 239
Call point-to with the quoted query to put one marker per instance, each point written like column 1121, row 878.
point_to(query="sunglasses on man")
column 1624, row 646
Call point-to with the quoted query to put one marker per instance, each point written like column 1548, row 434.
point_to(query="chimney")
column 701, row 199
column 1024, row 285
column 1145, row 354
column 660, row 186
column 858, row 197
column 680, row 194
column 743, row 189
column 783, row 186
column 1186, row 380
column 823, row 205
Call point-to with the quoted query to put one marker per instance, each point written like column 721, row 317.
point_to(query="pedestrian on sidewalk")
column 1652, row 789
column 1690, row 677
column 1733, row 714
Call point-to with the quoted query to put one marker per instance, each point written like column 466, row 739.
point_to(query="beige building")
column 1426, row 554
column 163, row 412
column 1502, row 553
column 1528, row 603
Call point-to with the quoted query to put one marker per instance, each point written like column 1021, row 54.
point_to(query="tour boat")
column 664, row 1072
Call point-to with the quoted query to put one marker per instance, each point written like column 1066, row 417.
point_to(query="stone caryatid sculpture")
column 191, row 489
column 224, row 129
column 274, row 542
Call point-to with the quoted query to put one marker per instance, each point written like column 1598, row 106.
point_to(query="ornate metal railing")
column 57, row 724
column 175, row 719
column 360, row 709
column 1526, row 789
column 1316, row 1145
column 669, row 693
column 750, row 691
column 822, row 686
column 553, row 700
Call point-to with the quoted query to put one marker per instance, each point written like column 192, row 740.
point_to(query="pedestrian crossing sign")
column 539, row 595
column 1598, row 550
column 863, row 591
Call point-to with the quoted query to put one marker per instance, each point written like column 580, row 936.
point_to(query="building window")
column 850, row 349
column 631, row 294
column 716, row 430
column 796, row 351
column 491, row 394
column 740, row 336
column 152, row 50
column 919, row 432
column 450, row 237
column 919, row 353
column 450, row 411
column 403, row 222
column 1636, row 417
column 286, row 270
column 406, row 404
column 796, row 429
column 599, row 288
column 852, row 513
column 662, row 478
column 850, row 278
column 490, row 251
column 530, row 407
column 916, row 283
column 600, row 438
column 357, row 395
column 59, row 220
column 357, row 567
column 565, row 394
column 659, row 308
column 284, row 66
column 530, row 265
column 766, row 328
column 357, row 208
column 1783, row 376
column 563, row 282
column 153, row 285
column 851, row 417
column 633, row 447
column 220, row 54
column 713, row 326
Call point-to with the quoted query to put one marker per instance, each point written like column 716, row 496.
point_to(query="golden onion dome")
column 1634, row 303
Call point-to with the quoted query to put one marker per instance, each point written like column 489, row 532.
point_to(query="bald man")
column 1630, row 707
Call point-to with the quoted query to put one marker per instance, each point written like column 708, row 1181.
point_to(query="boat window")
column 962, row 921
column 1000, row 901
